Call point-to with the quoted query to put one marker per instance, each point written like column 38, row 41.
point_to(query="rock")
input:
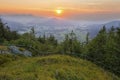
column 16, row 50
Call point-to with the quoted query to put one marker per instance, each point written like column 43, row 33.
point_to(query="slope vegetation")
column 55, row 67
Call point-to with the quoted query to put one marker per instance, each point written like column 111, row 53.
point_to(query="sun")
column 59, row 11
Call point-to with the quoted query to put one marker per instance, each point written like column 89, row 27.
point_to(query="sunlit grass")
column 55, row 67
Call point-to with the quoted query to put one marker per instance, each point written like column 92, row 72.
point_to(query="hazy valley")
column 55, row 26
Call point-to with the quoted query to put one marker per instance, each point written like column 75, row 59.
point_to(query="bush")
column 5, row 58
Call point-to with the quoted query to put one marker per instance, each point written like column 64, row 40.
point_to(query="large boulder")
column 16, row 50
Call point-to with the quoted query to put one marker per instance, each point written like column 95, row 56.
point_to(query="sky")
column 72, row 9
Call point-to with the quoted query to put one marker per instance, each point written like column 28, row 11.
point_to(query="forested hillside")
column 103, row 50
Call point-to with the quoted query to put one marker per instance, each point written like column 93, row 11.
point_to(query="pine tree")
column 71, row 45
column 96, row 48
column 6, row 34
column 87, row 38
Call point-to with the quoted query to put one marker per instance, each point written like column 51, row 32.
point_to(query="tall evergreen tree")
column 6, row 34
column 96, row 48
column 87, row 38
column 71, row 45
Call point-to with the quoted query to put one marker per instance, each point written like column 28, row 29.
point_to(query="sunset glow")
column 77, row 9
column 59, row 11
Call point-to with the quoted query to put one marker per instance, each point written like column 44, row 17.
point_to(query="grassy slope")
column 55, row 67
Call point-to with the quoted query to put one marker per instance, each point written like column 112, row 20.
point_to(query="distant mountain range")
column 94, row 29
column 57, row 27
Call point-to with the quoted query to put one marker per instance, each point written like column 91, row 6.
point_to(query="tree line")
column 103, row 50
column 6, row 34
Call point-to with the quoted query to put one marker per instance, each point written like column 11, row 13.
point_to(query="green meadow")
column 53, row 67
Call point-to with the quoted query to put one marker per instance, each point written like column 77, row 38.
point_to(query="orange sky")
column 69, row 7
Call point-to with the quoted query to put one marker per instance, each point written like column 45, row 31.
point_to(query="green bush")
column 5, row 58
